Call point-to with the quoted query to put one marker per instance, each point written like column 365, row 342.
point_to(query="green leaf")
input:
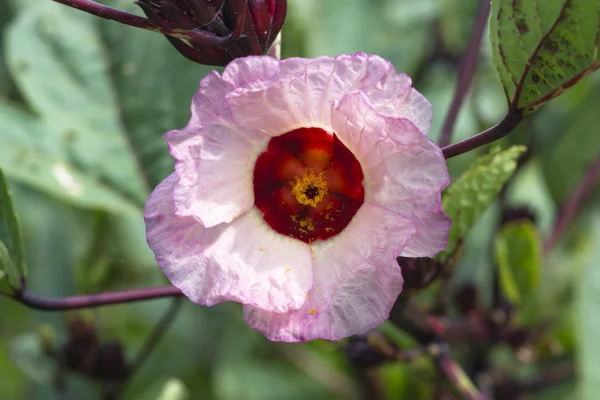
column 568, row 140
column 541, row 48
column 468, row 197
column 518, row 256
column 154, row 85
column 31, row 154
column 58, row 61
column 11, row 246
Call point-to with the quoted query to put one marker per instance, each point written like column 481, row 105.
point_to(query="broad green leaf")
column 468, row 197
column 588, row 321
column 154, row 85
column 569, row 145
column 31, row 154
column 518, row 256
column 58, row 61
column 11, row 246
column 541, row 48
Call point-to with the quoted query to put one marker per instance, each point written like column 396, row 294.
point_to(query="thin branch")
column 148, row 347
column 109, row 13
column 113, row 14
column 511, row 121
column 465, row 72
column 573, row 205
column 155, row 336
column 93, row 300
column 457, row 377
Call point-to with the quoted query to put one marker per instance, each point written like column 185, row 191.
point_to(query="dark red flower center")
column 308, row 185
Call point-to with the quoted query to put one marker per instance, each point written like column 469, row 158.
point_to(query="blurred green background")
column 83, row 105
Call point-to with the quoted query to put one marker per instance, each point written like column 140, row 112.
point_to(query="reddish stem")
column 126, row 18
column 573, row 205
column 94, row 300
column 109, row 13
column 465, row 72
column 498, row 131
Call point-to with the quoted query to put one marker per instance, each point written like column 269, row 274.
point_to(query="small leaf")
column 7, row 265
column 541, row 48
column 518, row 256
column 468, row 197
column 11, row 247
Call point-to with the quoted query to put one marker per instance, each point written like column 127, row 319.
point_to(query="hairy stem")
column 93, row 300
column 465, row 73
column 573, row 205
column 511, row 121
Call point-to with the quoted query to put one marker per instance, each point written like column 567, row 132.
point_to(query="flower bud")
column 466, row 298
column 214, row 32
column 418, row 273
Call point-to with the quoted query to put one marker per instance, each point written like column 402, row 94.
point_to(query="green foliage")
column 97, row 139
column 153, row 86
column 31, row 153
column 78, row 104
column 588, row 326
column 29, row 354
column 83, row 106
column 518, row 257
column 11, row 247
column 542, row 48
column 569, row 140
column 468, row 197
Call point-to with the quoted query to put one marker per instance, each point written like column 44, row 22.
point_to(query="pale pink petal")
column 250, row 72
column 243, row 261
column 209, row 103
column 301, row 93
column 356, row 281
column 215, row 165
column 404, row 171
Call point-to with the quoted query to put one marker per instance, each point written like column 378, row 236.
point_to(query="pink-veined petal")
column 404, row 171
column 215, row 168
column 243, row 261
column 301, row 93
column 356, row 281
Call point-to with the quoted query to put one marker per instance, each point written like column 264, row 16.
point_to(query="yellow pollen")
column 312, row 311
column 310, row 188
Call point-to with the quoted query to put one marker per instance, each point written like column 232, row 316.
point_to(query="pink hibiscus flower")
column 297, row 184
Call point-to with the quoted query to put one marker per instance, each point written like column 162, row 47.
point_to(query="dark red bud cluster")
column 214, row 32
column 418, row 273
column 83, row 352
